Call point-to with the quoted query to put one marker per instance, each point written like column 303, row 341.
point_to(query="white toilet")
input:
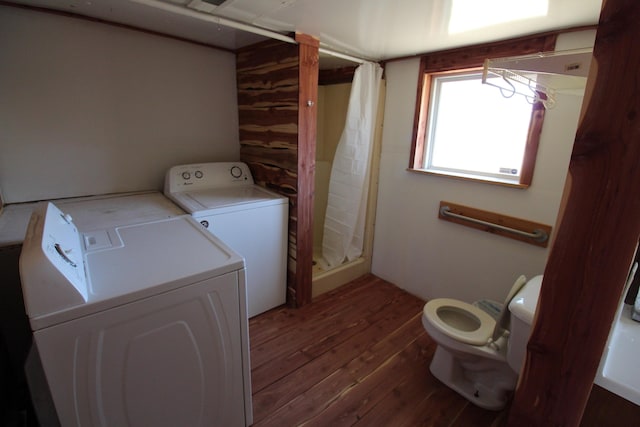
column 478, row 356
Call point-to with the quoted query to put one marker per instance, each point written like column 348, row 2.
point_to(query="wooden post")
column 598, row 232
column 307, row 125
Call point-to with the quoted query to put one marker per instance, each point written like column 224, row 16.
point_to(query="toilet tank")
column 522, row 308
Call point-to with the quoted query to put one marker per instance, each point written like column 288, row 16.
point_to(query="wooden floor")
column 355, row 356
column 360, row 356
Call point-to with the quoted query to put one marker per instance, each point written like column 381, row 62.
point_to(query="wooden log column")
column 307, row 127
column 598, row 232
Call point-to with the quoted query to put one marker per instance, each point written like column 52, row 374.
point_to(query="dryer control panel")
column 207, row 175
column 52, row 264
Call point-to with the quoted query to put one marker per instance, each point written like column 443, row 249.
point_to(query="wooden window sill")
column 465, row 177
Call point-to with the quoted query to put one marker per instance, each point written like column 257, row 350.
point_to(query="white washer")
column 147, row 328
column 252, row 220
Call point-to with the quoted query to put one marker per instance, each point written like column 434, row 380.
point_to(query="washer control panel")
column 207, row 175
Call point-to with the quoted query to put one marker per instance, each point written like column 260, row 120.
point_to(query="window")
column 469, row 130
column 474, row 131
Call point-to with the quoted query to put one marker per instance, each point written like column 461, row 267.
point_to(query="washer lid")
column 221, row 200
column 144, row 260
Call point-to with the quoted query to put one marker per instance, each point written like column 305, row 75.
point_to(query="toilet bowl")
column 478, row 355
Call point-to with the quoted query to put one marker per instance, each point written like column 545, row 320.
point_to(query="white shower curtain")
column 343, row 236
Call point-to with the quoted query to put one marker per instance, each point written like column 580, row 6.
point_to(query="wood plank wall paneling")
column 336, row 76
column 277, row 133
column 267, row 79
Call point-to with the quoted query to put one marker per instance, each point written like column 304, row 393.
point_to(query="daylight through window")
column 474, row 129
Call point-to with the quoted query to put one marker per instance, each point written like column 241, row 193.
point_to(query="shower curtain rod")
column 343, row 56
column 239, row 26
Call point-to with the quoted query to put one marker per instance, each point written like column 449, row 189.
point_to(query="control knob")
column 236, row 171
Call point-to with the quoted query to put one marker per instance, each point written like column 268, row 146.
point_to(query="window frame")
column 471, row 59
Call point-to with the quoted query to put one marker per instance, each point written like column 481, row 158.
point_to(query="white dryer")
column 112, row 210
column 147, row 328
column 251, row 219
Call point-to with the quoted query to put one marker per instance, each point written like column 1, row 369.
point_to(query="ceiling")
column 370, row 29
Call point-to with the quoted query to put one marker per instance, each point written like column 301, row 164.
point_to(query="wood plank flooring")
column 356, row 356
column 359, row 356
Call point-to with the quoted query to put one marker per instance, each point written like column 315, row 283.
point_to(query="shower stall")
column 333, row 107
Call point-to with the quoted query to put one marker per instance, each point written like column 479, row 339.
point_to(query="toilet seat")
column 466, row 323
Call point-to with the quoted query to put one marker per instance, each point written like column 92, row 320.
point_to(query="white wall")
column 432, row 258
column 89, row 108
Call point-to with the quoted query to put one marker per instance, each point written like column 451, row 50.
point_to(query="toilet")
column 480, row 356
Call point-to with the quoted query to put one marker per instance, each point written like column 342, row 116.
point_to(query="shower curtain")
column 343, row 236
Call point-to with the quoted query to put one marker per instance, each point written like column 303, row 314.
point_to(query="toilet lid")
column 460, row 321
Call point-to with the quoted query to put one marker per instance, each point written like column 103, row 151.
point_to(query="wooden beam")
column 474, row 56
column 598, row 232
column 548, row 39
column 307, row 125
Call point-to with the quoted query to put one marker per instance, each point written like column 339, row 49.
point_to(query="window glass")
column 474, row 129
column 481, row 133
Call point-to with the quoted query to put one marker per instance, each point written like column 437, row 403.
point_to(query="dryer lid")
column 112, row 210
column 63, row 280
column 140, row 261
